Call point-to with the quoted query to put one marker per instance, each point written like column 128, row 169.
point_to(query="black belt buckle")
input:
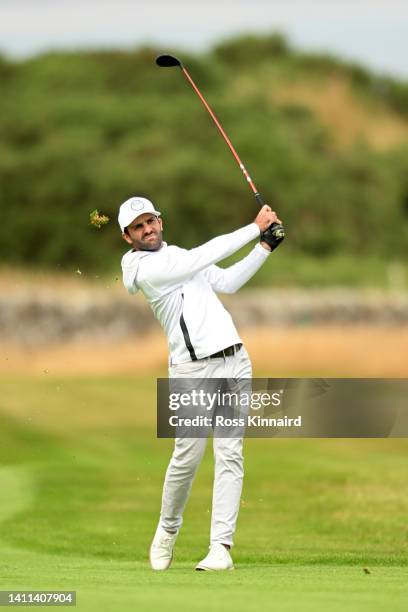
column 227, row 352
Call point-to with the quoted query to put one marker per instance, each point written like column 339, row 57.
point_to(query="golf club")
column 169, row 61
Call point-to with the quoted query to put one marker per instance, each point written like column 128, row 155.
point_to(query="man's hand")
column 272, row 237
column 265, row 218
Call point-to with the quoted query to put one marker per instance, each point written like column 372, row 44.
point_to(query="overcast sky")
column 375, row 32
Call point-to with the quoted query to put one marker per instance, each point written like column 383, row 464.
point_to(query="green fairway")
column 81, row 475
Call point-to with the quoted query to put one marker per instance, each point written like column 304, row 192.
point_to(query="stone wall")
column 47, row 316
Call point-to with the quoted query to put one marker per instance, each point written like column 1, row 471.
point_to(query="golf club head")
column 168, row 61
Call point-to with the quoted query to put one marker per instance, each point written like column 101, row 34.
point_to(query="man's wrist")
column 266, row 246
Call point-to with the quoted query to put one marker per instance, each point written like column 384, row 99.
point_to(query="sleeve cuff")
column 255, row 228
column 261, row 250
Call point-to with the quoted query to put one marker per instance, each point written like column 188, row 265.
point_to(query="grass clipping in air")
column 98, row 220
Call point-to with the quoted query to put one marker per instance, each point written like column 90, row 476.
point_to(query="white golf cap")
column 133, row 208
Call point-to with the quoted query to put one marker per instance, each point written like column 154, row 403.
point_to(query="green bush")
column 86, row 130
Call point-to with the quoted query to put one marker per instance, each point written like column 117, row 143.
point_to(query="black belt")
column 228, row 352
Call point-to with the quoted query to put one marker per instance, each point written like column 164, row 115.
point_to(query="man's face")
column 145, row 233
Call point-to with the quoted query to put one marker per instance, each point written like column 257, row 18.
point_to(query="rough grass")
column 349, row 117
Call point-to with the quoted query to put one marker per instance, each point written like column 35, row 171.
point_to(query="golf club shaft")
column 224, row 135
column 277, row 230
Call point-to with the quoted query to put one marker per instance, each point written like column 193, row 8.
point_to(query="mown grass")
column 81, row 482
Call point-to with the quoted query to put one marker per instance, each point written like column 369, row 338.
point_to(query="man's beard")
column 152, row 245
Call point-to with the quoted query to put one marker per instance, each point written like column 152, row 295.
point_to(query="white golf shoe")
column 161, row 550
column 217, row 559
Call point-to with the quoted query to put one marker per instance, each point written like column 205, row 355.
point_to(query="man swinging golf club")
column 180, row 286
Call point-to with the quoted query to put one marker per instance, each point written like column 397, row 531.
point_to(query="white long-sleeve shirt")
column 180, row 287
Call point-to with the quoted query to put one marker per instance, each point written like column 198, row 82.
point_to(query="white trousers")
column 188, row 452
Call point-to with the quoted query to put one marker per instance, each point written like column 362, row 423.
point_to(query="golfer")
column 180, row 286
